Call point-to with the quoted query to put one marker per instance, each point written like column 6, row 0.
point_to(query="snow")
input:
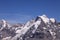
column 52, row 20
column 32, row 26
column 52, row 33
column 26, row 28
column 36, row 26
column 7, row 38
column 4, row 23
column 44, row 28
column 18, row 31
column 37, row 23
column 44, row 18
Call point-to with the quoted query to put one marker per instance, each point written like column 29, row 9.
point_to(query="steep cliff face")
column 41, row 28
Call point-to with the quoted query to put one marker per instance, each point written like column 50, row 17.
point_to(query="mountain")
column 41, row 28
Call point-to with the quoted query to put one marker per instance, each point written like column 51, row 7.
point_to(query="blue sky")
column 17, row 11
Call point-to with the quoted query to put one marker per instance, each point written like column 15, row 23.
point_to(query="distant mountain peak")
column 52, row 20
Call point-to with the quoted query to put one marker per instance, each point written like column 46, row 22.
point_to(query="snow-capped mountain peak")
column 52, row 20
column 44, row 18
column 4, row 23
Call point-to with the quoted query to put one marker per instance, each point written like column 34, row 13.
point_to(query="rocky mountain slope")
column 41, row 28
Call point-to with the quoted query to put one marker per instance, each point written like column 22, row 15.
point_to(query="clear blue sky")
column 23, row 10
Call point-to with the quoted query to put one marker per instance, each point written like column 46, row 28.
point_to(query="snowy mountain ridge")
column 41, row 28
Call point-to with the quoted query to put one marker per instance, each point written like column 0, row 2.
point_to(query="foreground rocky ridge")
column 41, row 28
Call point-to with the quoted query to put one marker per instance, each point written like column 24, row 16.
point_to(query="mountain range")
column 40, row 28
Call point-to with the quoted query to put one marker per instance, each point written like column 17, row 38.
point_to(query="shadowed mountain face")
column 41, row 28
